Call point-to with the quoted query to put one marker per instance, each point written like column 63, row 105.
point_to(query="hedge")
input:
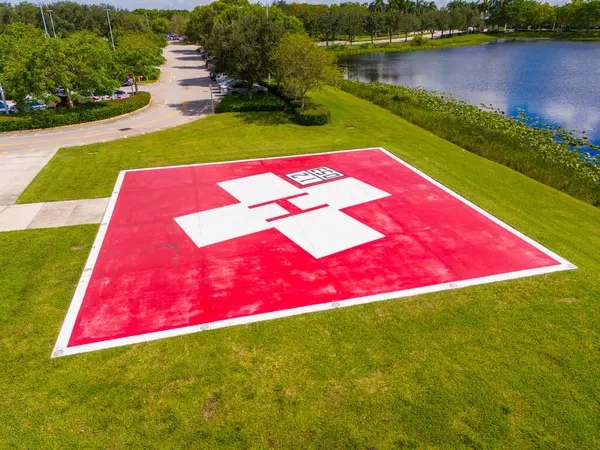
column 312, row 114
column 87, row 112
column 258, row 102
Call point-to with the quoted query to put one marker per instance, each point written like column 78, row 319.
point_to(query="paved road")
column 181, row 96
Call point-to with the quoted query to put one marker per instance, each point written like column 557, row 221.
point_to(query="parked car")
column 219, row 78
column 4, row 108
column 100, row 98
column 118, row 94
column 34, row 105
column 226, row 84
column 242, row 88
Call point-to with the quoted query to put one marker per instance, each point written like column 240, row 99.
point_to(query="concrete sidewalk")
column 52, row 214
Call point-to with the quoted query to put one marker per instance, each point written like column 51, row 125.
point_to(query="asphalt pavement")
column 182, row 95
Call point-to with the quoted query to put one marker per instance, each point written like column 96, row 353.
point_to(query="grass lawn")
column 430, row 44
column 512, row 364
column 594, row 35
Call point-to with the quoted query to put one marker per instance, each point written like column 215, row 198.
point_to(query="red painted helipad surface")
column 183, row 249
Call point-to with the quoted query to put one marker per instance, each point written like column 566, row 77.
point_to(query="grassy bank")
column 88, row 112
column 531, row 151
column 507, row 365
column 594, row 35
column 429, row 44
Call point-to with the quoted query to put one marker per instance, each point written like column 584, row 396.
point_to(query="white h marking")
column 320, row 232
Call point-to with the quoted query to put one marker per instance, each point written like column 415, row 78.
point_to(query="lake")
column 557, row 82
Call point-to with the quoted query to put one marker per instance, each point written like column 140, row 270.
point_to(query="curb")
column 82, row 123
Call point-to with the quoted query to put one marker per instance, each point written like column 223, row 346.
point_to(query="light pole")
column 4, row 100
column 52, row 22
column 43, row 20
column 110, row 28
column 267, row 5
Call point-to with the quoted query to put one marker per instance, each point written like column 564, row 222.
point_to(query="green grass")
column 507, row 365
column 430, row 44
column 594, row 35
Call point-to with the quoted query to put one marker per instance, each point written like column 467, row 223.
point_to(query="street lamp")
column 267, row 5
column 3, row 100
column 52, row 21
column 110, row 28
column 43, row 20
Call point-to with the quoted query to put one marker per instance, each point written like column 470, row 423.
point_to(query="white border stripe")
column 61, row 347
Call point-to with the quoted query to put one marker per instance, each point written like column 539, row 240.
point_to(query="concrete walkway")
column 52, row 214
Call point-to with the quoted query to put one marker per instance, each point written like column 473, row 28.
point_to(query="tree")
column 407, row 23
column 178, row 23
column 391, row 22
column 352, row 21
column 242, row 48
column 442, row 20
column 302, row 66
column 35, row 68
column 139, row 53
column 160, row 25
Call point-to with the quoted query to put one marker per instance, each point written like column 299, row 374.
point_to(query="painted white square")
column 228, row 222
column 339, row 194
column 261, row 188
column 325, row 231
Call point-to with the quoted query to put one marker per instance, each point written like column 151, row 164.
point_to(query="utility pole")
column 110, row 28
column 43, row 20
column 6, row 106
column 267, row 3
column 147, row 21
column 52, row 22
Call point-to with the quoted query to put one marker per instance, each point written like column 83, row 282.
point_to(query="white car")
column 239, row 87
column 119, row 94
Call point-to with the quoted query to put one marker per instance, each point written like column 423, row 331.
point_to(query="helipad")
column 190, row 248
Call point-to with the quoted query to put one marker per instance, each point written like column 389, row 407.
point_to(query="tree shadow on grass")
column 266, row 118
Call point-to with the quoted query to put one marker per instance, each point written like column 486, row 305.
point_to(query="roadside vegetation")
column 536, row 152
column 71, row 69
column 417, row 44
column 505, row 365
column 395, row 19
column 66, row 17
column 81, row 113
column 246, row 47
column 560, row 35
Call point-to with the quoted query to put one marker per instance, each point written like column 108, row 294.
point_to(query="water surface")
column 557, row 82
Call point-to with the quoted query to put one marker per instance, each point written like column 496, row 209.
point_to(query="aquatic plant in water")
column 546, row 153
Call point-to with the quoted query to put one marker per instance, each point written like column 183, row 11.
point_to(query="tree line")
column 249, row 43
column 69, row 17
column 401, row 17
column 529, row 14
column 381, row 18
column 75, row 66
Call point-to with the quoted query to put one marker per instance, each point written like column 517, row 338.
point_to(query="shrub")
column 418, row 40
column 312, row 114
column 258, row 102
column 532, row 151
column 87, row 112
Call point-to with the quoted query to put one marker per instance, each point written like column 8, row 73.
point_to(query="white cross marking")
column 320, row 232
